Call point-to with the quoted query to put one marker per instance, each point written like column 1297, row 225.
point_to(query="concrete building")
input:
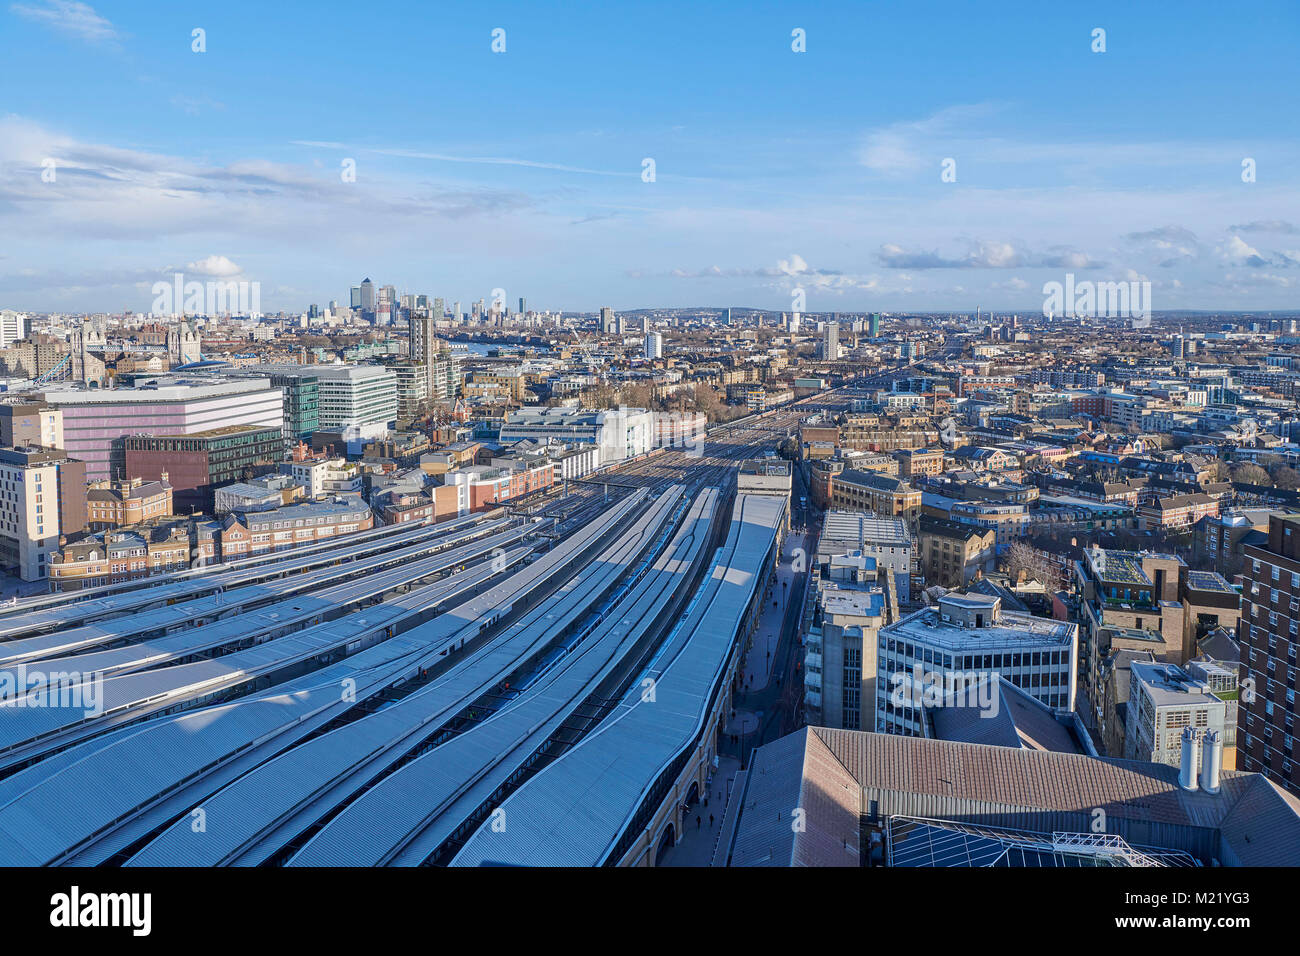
column 42, row 495
column 1164, row 700
column 13, row 326
column 620, row 433
column 326, row 476
column 359, row 395
column 963, row 641
column 887, row 540
column 412, row 389
column 654, row 346
column 766, row 476
column 96, row 422
column 1269, row 635
column 831, row 342
column 851, row 607
column 30, row 423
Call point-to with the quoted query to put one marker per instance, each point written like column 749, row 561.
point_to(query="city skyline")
column 774, row 170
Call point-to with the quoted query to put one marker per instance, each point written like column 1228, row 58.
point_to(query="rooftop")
column 1011, row 627
column 843, row 776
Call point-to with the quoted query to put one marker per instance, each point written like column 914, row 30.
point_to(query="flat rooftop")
column 1012, row 627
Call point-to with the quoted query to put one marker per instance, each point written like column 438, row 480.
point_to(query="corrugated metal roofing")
column 402, row 820
column 44, row 647
column 145, row 595
column 22, row 726
column 327, row 769
column 550, row 821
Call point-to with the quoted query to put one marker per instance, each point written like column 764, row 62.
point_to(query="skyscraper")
column 356, row 297
column 831, row 344
column 608, row 325
column 367, row 303
column 523, row 305
column 875, row 325
column 654, row 346
column 13, row 326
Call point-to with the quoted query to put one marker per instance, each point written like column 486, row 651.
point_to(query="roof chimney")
column 1187, row 769
column 1211, row 761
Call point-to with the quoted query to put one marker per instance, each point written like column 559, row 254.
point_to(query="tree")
column 1248, row 474
column 1024, row 557
column 1286, row 478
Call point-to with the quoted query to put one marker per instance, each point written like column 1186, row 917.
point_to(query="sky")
column 914, row 156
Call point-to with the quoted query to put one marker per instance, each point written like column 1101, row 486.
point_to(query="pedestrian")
column 710, row 821
column 697, row 823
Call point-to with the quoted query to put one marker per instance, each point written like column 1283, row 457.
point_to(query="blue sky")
column 774, row 170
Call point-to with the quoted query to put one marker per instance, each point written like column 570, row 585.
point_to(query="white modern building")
column 619, row 433
column 654, row 346
column 356, row 395
column 963, row 642
column 13, row 326
column 332, row 476
column 96, row 420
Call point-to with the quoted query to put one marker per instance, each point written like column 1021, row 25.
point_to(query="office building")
column 619, row 433
column 42, row 495
column 13, row 326
column 968, row 639
column 96, row 422
column 196, row 463
column 887, row 540
column 356, row 395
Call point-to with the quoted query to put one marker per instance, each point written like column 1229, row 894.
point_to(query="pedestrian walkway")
column 695, row 845
column 757, row 667
column 696, row 842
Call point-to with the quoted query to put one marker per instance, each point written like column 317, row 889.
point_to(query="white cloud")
column 67, row 16
column 216, row 266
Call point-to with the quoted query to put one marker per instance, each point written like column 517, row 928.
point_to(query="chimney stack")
column 1187, row 769
column 1211, row 761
